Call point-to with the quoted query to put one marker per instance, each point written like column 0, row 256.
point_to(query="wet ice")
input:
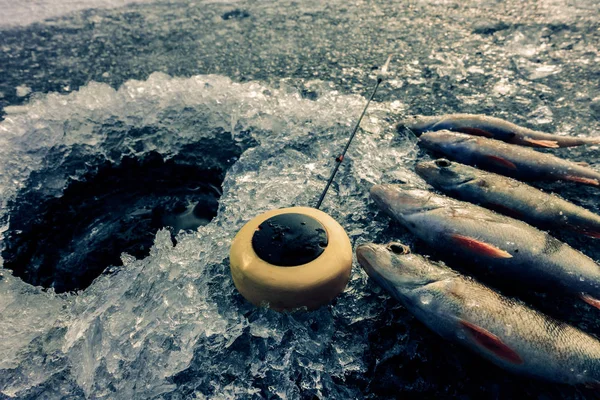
column 176, row 313
column 172, row 325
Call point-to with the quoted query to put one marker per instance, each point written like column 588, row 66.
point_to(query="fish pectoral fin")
column 587, row 232
column 594, row 385
column 501, row 162
column 552, row 144
column 580, row 179
column 490, row 342
column 592, row 301
column 480, row 247
column 583, row 163
column 503, row 209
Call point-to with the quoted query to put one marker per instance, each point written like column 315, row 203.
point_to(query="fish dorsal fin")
column 592, row 301
column 492, row 343
column 551, row 144
column 499, row 161
column 479, row 247
column 580, row 179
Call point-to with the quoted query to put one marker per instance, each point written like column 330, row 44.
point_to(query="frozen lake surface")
column 265, row 94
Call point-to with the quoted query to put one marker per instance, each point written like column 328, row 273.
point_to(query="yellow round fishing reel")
column 296, row 257
column 291, row 258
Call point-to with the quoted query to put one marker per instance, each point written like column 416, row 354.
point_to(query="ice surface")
column 172, row 325
column 133, row 332
column 26, row 12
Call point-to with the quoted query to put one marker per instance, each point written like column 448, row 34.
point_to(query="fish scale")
column 506, row 246
column 491, row 127
column 508, row 196
column 502, row 330
column 518, row 162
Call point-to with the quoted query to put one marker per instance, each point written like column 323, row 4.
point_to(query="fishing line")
column 340, row 158
column 305, row 238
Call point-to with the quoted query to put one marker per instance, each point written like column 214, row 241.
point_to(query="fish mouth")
column 386, row 197
column 382, row 195
column 442, row 173
column 425, row 169
column 444, row 136
column 370, row 258
column 378, row 262
column 364, row 254
column 371, row 254
column 418, row 124
column 398, row 201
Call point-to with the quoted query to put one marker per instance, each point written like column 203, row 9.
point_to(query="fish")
column 501, row 329
column 503, row 246
column 508, row 196
column 518, row 162
column 494, row 128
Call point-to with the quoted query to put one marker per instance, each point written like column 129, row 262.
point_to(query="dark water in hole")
column 288, row 82
column 65, row 243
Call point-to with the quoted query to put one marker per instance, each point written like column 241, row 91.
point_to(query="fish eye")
column 442, row 163
column 398, row 248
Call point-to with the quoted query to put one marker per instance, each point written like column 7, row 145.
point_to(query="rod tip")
column 386, row 66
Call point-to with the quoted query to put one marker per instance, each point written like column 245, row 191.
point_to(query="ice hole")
column 66, row 242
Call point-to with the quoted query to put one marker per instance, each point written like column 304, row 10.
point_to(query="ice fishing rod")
column 340, row 158
column 296, row 257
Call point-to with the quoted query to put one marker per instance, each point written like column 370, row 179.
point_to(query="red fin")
column 552, row 144
column 475, row 132
column 492, row 343
column 588, row 233
column 590, row 300
column 480, row 247
column 501, row 162
column 579, row 179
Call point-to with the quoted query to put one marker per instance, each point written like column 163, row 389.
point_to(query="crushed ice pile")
column 172, row 324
